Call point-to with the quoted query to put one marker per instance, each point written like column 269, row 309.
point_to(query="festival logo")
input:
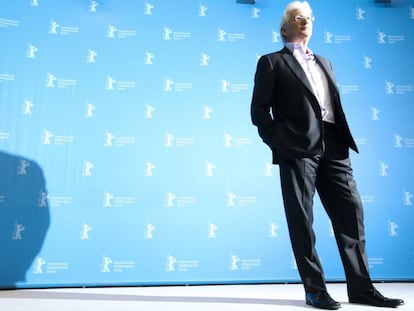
column 113, row 32
column 91, row 57
column 22, row 167
column 111, row 140
column 398, row 141
column 234, row 200
column 273, row 228
column 171, row 141
column 172, row 86
column 17, row 231
column 180, row 265
column 31, row 51
column 114, row 85
column 42, row 266
column 27, row 106
column 39, row 265
column 43, row 198
column 237, row 263
column 149, row 169
column 392, row 229
column 255, row 12
column 171, row 261
column 384, row 38
column 106, row 264
column 207, row 111
column 89, row 110
column 236, row 142
column 367, row 62
column 275, row 36
column 224, row 36
column 149, row 231
column 204, row 59
column 173, row 200
column 53, row 81
column 202, row 10
column 391, row 88
column 84, row 233
column 234, row 262
column 268, row 169
column 148, row 7
column 375, row 114
column 212, row 231
column 148, row 57
column 171, row 35
column 210, row 167
column 112, row 200
column 331, row 38
column 110, row 265
column 228, row 87
column 402, row 142
column 407, row 198
column 383, row 168
column 87, row 168
column 360, row 14
column 50, row 138
column 149, row 112
column 56, row 29
column 93, row 6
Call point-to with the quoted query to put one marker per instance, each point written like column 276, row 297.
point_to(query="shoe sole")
column 309, row 303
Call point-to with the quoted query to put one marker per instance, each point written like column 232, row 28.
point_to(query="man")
column 297, row 110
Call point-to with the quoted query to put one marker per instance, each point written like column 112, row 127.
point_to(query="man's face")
column 299, row 27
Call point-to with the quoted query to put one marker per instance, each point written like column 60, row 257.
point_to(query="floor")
column 185, row 298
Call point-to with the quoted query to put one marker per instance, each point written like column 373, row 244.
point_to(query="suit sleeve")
column 260, row 109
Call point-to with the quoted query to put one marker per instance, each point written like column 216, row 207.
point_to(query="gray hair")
column 303, row 5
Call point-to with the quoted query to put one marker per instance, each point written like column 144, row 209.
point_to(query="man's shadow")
column 24, row 217
column 80, row 295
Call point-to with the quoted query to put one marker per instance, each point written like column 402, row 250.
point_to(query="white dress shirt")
column 316, row 77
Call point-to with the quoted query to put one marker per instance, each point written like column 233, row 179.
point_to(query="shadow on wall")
column 24, row 217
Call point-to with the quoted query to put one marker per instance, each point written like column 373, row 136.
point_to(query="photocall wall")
column 127, row 154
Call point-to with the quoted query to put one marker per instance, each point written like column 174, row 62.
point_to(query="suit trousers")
column 331, row 175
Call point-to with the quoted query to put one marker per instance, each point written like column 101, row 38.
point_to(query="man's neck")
column 297, row 45
column 302, row 43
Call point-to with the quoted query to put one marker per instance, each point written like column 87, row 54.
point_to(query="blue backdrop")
column 128, row 156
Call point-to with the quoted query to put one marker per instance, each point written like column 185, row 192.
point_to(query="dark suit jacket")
column 286, row 111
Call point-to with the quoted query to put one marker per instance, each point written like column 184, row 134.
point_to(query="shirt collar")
column 297, row 48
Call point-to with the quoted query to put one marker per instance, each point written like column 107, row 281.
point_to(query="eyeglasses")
column 301, row 18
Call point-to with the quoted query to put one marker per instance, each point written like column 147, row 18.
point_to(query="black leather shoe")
column 374, row 298
column 322, row 300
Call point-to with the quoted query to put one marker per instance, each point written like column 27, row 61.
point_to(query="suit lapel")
column 328, row 72
column 297, row 69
